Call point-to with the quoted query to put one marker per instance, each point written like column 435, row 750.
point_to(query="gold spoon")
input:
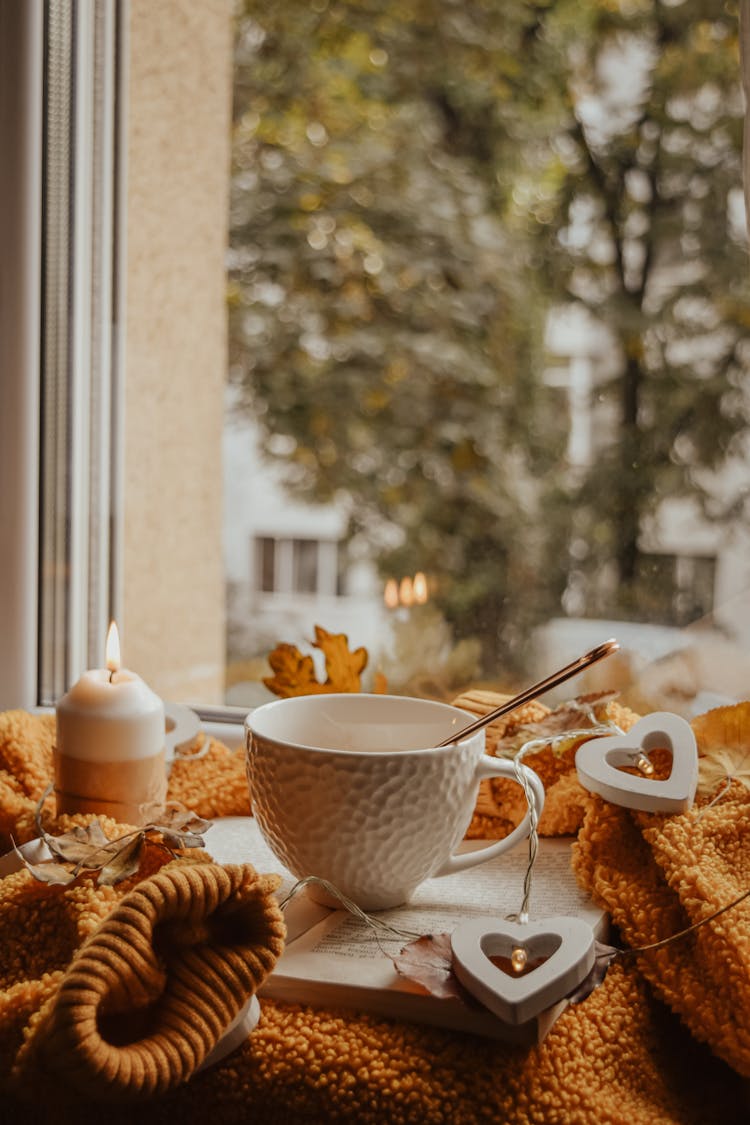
column 572, row 669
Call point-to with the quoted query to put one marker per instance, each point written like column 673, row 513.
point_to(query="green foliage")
column 384, row 319
column 413, row 184
column 643, row 229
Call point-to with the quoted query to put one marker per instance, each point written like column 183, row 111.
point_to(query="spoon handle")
column 572, row 669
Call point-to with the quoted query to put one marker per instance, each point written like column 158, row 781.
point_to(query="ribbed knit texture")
column 179, row 956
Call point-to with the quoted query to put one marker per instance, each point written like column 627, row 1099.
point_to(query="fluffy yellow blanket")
column 109, row 994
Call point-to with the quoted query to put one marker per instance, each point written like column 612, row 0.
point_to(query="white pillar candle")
column 109, row 756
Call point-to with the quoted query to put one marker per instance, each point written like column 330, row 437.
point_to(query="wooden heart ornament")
column 597, row 763
column 566, row 944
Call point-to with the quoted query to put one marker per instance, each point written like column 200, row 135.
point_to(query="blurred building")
column 288, row 567
column 286, row 561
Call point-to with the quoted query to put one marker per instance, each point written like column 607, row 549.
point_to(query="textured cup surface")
column 352, row 788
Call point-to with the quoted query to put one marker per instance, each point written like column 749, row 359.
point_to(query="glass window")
column 676, row 589
column 297, row 566
column 305, row 579
column 475, row 310
column 486, row 285
column 266, row 552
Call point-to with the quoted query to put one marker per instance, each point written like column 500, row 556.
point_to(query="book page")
column 332, row 957
column 345, row 949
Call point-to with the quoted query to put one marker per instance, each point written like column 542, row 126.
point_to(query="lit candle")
column 406, row 592
column 110, row 748
column 390, row 595
column 420, row 588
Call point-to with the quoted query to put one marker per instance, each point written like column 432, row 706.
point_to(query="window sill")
column 225, row 724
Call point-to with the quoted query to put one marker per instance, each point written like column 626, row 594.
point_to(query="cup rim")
column 295, row 745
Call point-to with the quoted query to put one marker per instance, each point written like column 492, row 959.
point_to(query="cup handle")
column 497, row 767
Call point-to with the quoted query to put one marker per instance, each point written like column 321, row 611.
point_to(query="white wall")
column 256, row 504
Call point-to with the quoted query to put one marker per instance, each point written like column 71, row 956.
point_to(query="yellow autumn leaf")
column 294, row 673
column 723, row 737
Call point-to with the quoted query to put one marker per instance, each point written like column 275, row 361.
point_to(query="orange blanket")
column 623, row 1055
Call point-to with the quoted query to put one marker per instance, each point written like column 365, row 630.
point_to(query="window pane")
column 476, row 318
column 305, row 566
column 487, row 336
column 266, row 549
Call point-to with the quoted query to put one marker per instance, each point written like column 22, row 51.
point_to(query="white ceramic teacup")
column 353, row 788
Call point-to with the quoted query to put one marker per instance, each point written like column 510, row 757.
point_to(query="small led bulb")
column 518, row 958
column 644, row 765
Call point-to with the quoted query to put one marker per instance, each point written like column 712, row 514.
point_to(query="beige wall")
column 178, row 167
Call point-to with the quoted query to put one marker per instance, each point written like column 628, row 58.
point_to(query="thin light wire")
column 723, row 789
column 537, row 744
column 378, row 925
column 680, row 933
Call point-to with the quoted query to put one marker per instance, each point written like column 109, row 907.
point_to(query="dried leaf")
column 82, row 846
column 604, row 956
column 428, row 961
column 177, row 839
column 179, row 826
column 87, row 848
column 294, row 674
column 177, row 818
column 343, row 668
column 723, row 737
column 124, row 863
column 48, row 871
column 572, row 715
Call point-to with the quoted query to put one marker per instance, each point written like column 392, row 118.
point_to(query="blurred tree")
column 643, row 224
column 384, row 322
column 414, row 183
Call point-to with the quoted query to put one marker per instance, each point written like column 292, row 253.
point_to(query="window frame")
column 61, row 343
column 21, row 87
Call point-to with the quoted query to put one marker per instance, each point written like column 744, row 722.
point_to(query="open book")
column 334, row 959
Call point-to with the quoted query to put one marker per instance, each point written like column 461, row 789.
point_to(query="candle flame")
column 406, row 592
column 390, row 596
column 112, row 648
column 420, row 588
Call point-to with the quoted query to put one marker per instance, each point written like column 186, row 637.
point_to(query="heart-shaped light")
column 567, row 944
column 597, row 763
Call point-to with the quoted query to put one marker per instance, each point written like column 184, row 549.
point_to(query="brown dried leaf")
column 294, row 674
column 82, row 846
column 177, row 839
column 48, row 871
column 604, row 956
column 567, row 716
column 428, row 961
column 124, row 863
column 86, row 847
column 175, row 817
